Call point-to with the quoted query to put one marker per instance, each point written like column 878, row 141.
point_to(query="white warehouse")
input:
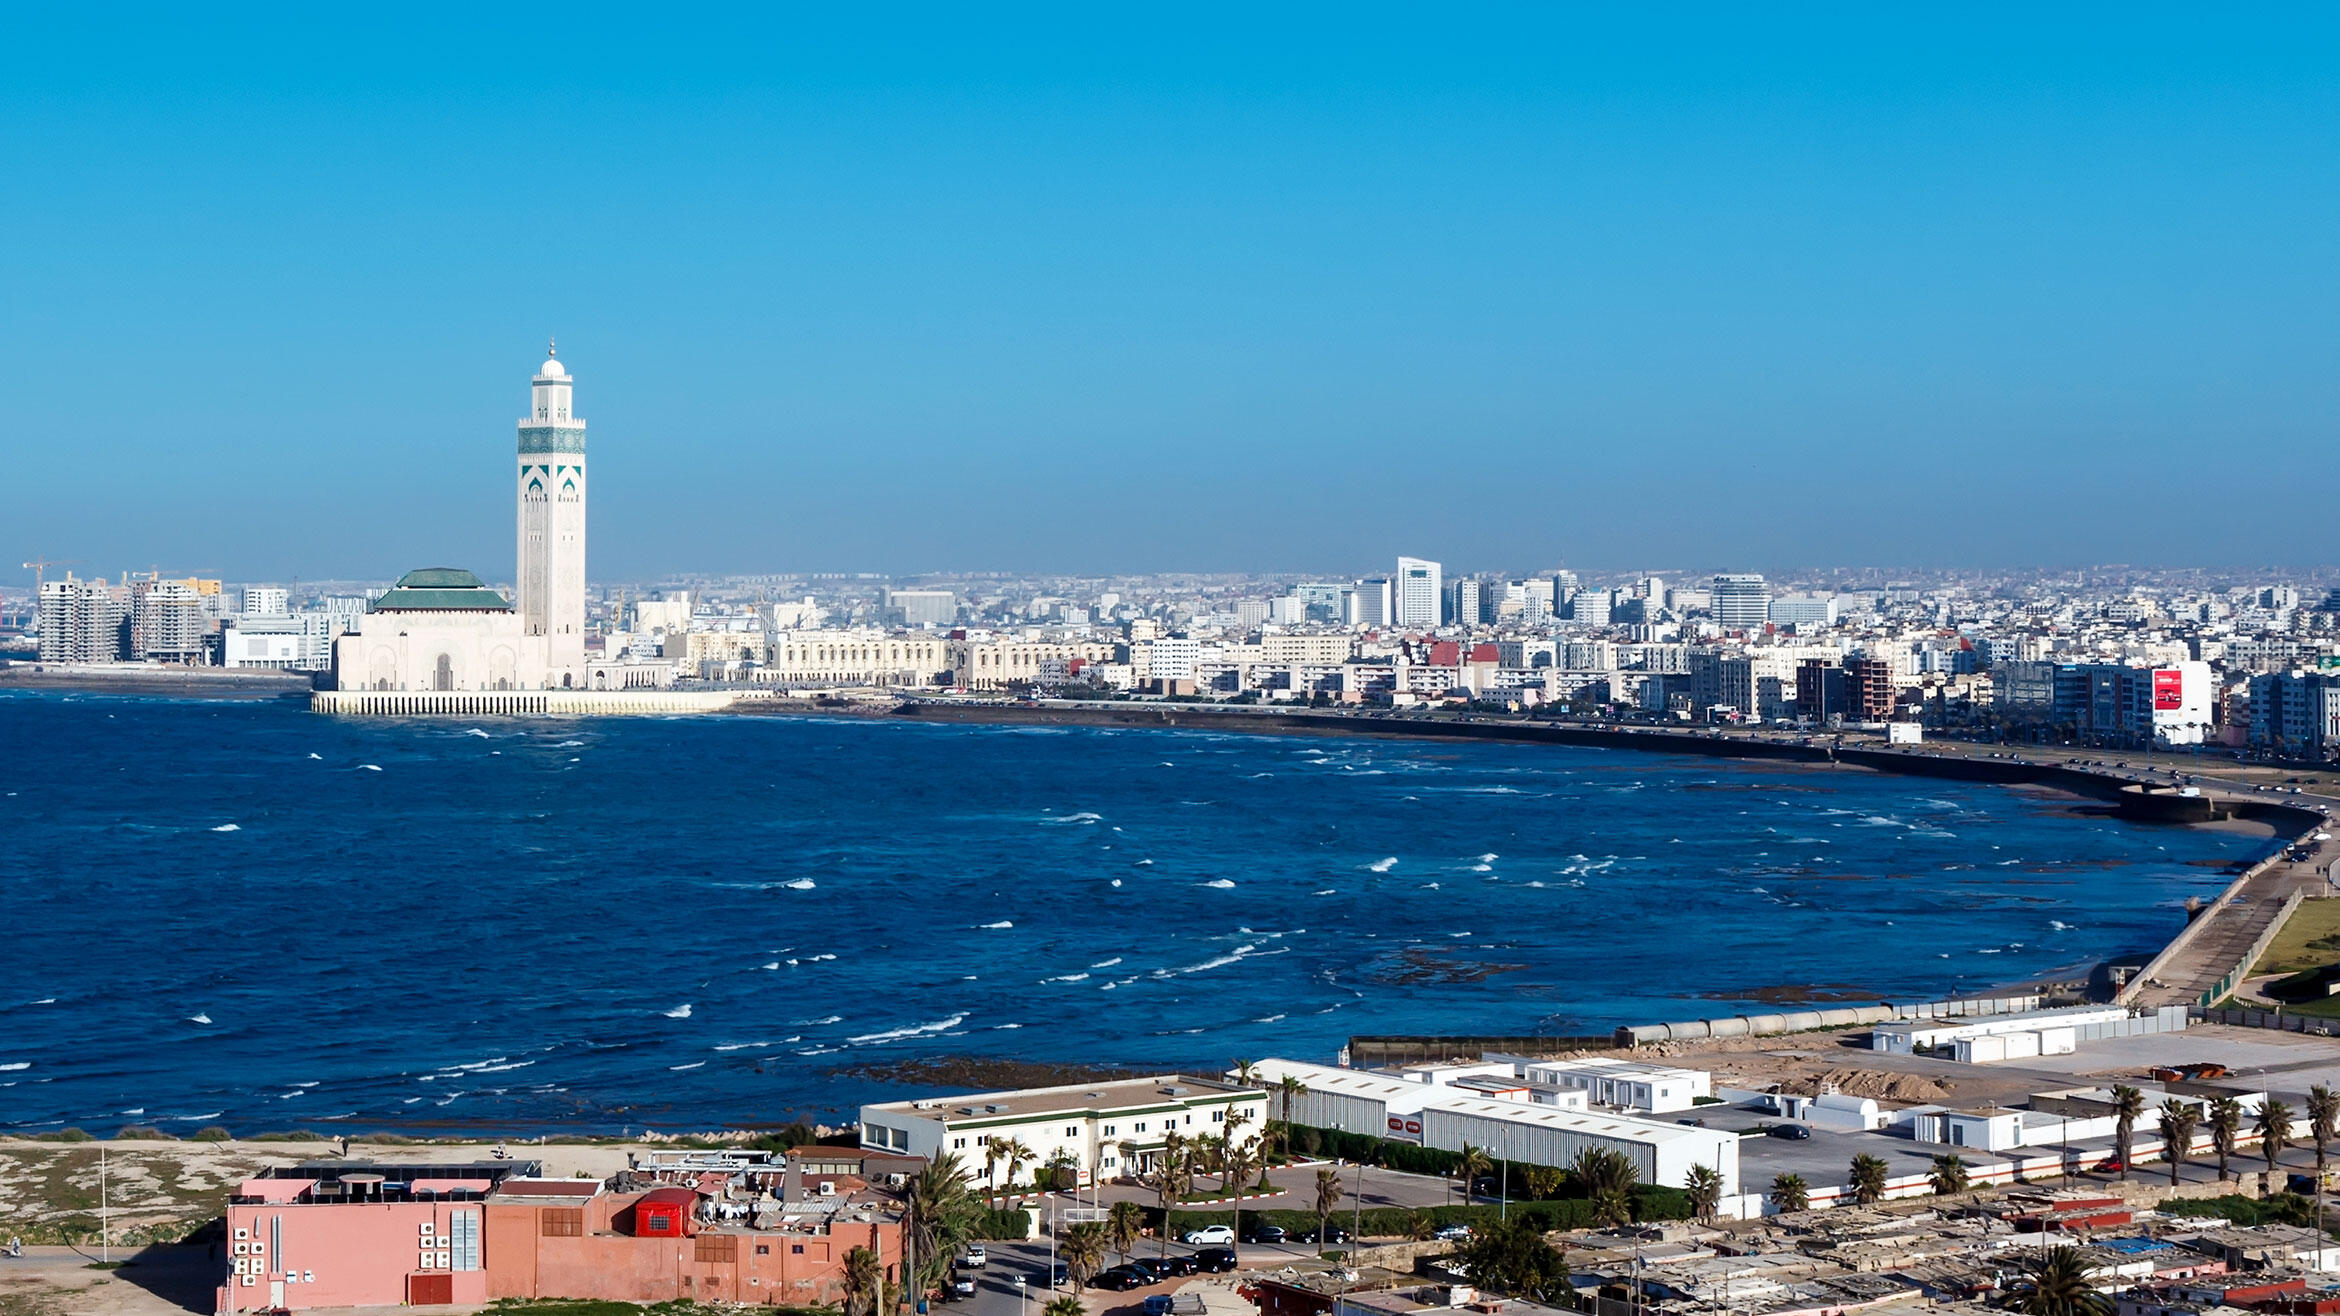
column 1904, row 1036
column 1376, row 1103
column 1662, row 1153
column 1621, row 1084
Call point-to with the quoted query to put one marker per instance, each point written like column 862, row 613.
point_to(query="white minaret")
column 552, row 523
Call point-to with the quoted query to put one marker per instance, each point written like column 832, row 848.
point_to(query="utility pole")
column 105, row 1213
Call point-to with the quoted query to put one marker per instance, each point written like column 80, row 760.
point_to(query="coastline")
column 155, row 682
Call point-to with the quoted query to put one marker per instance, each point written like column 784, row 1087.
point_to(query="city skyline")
column 1096, row 297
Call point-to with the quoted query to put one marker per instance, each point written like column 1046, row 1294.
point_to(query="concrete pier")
column 527, row 703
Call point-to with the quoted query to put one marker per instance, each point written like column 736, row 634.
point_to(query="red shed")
column 665, row 1213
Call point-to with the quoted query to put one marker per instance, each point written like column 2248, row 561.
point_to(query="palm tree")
column 2057, row 1285
column 1790, row 1193
column 1245, row 1074
column 1868, row 1179
column 1083, row 1251
column 2274, row 1128
column 1171, row 1172
column 863, row 1274
column 1017, row 1154
column 1292, row 1089
column 2323, row 1111
column 1238, row 1166
column 1473, row 1162
column 1949, row 1175
column 1705, row 1185
column 2177, row 1133
column 993, row 1150
column 1124, row 1221
column 2225, row 1123
column 1607, row 1178
column 1064, row 1304
column 1328, row 1200
column 2128, row 1104
column 942, row 1214
column 1418, row 1227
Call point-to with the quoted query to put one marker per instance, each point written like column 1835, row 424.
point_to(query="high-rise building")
column 551, row 490
column 1419, row 588
column 81, row 621
column 1804, row 610
column 167, row 621
column 1741, row 602
column 1368, row 604
column 266, row 601
column 1590, row 606
column 1464, row 605
column 1538, row 599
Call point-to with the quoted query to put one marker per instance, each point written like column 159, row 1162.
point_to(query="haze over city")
column 1225, row 290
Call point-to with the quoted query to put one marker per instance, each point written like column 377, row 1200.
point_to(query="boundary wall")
column 523, row 703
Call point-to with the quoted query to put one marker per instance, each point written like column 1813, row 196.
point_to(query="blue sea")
column 250, row 915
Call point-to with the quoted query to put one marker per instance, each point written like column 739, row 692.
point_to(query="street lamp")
column 1023, row 1297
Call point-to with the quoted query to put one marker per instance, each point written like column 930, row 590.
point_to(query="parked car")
column 976, row 1256
column 1058, row 1276
column 1215, row 1260
column 1178, row 1263
column 1260, row 1231
column 1796, row 1132
column 1150, row 1267
column 1453, row 1233
column 962, row 1285
column 1119, row 1279
column 1211, row 1234
column 1332, row 1234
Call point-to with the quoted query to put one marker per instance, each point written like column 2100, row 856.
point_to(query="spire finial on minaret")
column 552, row 347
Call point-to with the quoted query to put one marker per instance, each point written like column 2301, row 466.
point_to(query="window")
column 763, row 1249
column 561, row 1222
column 796, row 1249
column 1108, row 1162
column 958, row 1144
column 1139, row 1127
column 1108, row 1130
column 1072, row 1130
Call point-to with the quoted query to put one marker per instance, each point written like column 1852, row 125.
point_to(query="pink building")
column 360, row 1235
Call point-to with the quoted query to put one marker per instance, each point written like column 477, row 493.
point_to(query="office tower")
column 1418, row 589
column 1741, row 602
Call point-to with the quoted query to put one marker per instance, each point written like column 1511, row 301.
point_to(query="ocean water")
column 250, row 915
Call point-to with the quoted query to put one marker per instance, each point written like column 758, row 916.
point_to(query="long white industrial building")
column 1438, row 1114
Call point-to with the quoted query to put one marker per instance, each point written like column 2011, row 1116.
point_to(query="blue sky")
column 1262, row 287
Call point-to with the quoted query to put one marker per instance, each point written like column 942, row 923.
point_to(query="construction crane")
column 39, row 566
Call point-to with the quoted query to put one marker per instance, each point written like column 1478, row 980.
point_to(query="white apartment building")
column 1368, row 603
column 266, row 601
column 1741, row 602
column 854, row 658
column 1110, row 1130
column 1620, row 1084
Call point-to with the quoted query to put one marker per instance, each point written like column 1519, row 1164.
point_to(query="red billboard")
column 2169, row 690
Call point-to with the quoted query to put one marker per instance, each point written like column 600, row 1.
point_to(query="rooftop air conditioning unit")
column 828, row 1188
column 1173, row 1090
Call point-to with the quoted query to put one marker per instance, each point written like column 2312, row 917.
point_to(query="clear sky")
column 897, row 288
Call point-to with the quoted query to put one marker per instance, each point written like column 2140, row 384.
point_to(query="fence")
column 2275, row 1019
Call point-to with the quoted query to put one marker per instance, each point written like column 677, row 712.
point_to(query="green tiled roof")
column 440, row 589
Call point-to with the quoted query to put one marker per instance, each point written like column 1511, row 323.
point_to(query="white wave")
column 1106, row 964
column 682, row 1011
column 369, row 767
column 745, row 1046
column 800, row 884
column 2059, row 925
column 1482, row 868
column 824, row 1020
column 1383, row 865
column 911, row 1030
column 693, row 1065
column 15, row 1065
column 1003, row 923
column 1084, row 818
column 1117, row 881
column 1218, row 884
column 1489, row 858
column 1068, row 977
column 774, row 964
column 1269, row 1020
column 1326, row 892
column 815, row 959
column 212, row 1116
column 46, row 1000
column 199, row 1018
column 570, row 744
column 227, row 827
column 1537, row 885
column 818, row 1051
column 1429, row 886
column 475, row 731
column 1001, row 1028
column 319, row 757
column 1458, row 934
column 1143, row 863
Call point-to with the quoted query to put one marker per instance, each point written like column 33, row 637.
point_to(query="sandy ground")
column 157, row 1191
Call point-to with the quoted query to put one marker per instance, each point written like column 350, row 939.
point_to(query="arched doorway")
column 443, row 675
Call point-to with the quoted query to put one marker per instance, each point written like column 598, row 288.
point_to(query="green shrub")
column 1002, row 1225
column 2281, row 1209
column 210, row 1133
column 142, row 1133
column 290, row 1135
column 66, row 1135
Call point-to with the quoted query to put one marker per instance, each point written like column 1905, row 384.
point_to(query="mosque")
column 442, row 632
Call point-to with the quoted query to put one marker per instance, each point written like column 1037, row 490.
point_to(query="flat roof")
column 1589, row 1123
column 1120, row 1094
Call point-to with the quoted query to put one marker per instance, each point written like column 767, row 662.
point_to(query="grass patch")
column 2281, row 1209
column 2309, row 939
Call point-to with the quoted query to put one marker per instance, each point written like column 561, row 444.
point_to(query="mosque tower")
column 552, row 523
